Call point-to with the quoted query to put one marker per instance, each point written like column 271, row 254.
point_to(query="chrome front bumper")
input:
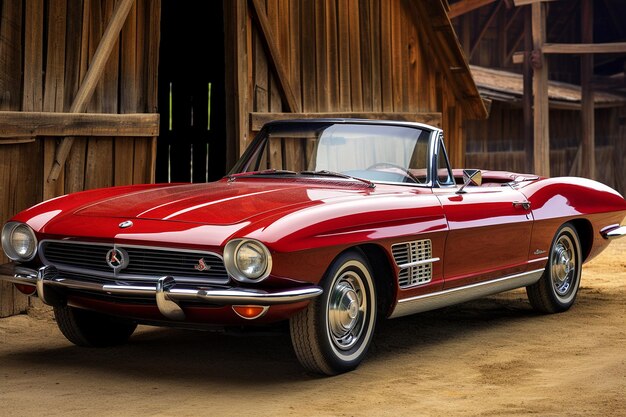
column 166, row 291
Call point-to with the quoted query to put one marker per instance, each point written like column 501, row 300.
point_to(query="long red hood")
column 220, row 203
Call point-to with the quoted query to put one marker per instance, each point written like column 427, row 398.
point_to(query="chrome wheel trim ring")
column 350, row 310
column 563, row 260
column 347, row 308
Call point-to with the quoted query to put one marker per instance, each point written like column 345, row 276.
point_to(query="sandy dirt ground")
column 491, row 357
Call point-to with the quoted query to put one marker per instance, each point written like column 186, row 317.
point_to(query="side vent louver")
column 415, row 262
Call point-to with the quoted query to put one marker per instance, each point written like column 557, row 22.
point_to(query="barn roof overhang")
column 447, row 50
column 508, row 87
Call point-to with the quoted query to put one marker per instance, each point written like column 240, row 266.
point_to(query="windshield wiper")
column 325, row 173
column 264, row 173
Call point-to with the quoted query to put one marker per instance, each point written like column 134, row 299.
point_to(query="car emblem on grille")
column 125, row 224
column 117, row 259
column 202, row 266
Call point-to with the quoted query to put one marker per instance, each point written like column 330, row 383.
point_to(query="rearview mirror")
column 471, row 176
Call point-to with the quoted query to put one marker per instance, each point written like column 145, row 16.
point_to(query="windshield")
column 379, row 153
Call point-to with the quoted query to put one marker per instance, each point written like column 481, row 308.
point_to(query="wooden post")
column 92, row 77
column 586, row 75
column 541, row 149
column 528, row 91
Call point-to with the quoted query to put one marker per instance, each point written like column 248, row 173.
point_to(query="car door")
column 489, row 233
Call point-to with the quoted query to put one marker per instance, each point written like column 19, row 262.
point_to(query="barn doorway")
column 192, row 142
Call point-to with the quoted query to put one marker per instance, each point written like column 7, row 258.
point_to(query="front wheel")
column 557, row 288
column 333, row 333
column 91, row 329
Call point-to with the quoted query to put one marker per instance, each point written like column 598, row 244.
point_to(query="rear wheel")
column 556, row 290
column 333, row 333
column 88, row 328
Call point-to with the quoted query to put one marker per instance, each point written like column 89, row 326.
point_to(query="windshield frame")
column 259, row 142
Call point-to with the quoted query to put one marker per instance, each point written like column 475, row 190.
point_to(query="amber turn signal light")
column 250, row 312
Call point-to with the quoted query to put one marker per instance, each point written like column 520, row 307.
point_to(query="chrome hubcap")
column 346, row 310
column 563, row 265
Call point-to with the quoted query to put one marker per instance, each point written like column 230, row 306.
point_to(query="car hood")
column 221, row 203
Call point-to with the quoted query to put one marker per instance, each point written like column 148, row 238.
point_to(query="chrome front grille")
column 143, row 262
column 415, row 262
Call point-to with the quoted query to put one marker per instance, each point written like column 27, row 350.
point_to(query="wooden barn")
column 96, row 93
column 572, row 55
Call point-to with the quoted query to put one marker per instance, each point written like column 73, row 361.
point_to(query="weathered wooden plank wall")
column 349, row 56
column 498, row 143
column 67, row 33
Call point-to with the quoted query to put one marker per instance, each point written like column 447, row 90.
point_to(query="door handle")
column 523, row 204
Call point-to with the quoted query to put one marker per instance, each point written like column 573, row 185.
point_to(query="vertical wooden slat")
column 386, row 56
column 416, row 91
column 295, row 48
column 375, row 54
column 54, row 90
column 366, row 61
column 309, row 91
column 33, row 56
column 142, row 159
column 278, row 15
column 527, row 100
column 322, row 74
column 152, row 64
column 125, row 147
column 77, row 63
column 343, row 24
column 11, row 166
column 397, row 56
column 241, row 26
column 586, row 78
column 356, row 83
column 540, row 90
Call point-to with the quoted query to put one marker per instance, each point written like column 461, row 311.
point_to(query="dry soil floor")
column 490, row 357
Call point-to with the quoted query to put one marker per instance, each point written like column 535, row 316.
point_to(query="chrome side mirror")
column 471, row 176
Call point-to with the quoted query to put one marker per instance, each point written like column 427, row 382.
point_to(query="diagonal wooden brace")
column 267, row 36
column 94, row 73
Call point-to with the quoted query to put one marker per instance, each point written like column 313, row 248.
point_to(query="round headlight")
column 247, row 260
column 19, row 241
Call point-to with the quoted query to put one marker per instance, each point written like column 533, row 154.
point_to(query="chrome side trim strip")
column 416, row 263
column 613, row 232
column 452, row 296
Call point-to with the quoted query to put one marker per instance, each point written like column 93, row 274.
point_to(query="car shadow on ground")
column 184, row 356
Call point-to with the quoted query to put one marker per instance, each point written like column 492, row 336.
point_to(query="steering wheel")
column 405, row 171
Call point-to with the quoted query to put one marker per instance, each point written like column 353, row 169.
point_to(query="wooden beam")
column 465, row 6
column 483, row 31
column 273, row 53
column 541, row 111
column 257, row 120
column 527, row 98
column 90, row 82
column 584, row 48
column 588, row 152
column 525, row 2
column 15, row 124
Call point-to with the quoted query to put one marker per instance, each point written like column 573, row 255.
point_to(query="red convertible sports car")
column 327, row 224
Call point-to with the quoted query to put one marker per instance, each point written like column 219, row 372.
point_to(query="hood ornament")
column 125, row 224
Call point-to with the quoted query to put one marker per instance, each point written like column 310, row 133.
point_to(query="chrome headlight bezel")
column 236, row 271
column 8, row 232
